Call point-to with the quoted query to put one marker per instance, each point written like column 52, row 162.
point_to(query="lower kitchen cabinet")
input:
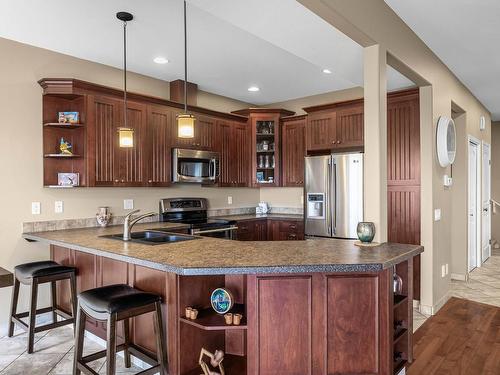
column 270, row 230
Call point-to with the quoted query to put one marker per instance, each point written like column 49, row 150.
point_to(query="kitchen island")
column 317, row 306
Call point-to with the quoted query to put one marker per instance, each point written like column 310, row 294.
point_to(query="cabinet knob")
column 339, row 142
column 123, row 180
column 150, row 181
column 117, row 181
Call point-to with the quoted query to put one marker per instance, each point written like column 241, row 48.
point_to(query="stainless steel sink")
column 151, row 237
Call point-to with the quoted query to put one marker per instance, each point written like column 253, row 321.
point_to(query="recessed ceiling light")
column 327, row 71
column 253, row 89
column 160, row 60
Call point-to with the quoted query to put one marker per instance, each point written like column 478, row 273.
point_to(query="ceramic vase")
column 366, row 231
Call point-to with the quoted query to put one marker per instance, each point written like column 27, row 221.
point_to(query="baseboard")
column 459, row 277
column 136, row 361
column 432, row 310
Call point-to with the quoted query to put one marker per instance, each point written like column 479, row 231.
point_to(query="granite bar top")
column 212, row 256
column 243, row 217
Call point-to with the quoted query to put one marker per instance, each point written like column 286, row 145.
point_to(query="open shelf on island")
column 399, row 333
column 209, row 320
column 63, row 125
column 62, row 156
column 233, row 364
column 399, row 299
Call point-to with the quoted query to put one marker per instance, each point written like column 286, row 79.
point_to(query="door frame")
column 484, row 167
column 473, row 140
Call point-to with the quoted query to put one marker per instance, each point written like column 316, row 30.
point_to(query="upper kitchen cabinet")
column 205, row 130
column 234, row 153
column 293, row 150
column 158, row 136
column 265, row 151
column 335, row 126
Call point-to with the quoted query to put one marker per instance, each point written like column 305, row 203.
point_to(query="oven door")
column 228, row 233
column 195, row 166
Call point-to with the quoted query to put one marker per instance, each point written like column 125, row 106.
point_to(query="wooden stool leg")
column 13, row 306
column 79, row 339
column 54, row 300
column 74, row 307
column 32, row 315
column 161, row 349
column 126, row 334
column 111, row 349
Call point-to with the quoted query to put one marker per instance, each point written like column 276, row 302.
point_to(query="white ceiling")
column 465, row 35
column 277, row 45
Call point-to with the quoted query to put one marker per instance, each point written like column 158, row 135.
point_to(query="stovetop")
column 203, row 223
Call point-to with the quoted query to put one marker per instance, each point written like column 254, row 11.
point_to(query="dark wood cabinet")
column 204, row 134
column 349, row 126
column 293, row 151
column 252, row 230
column 158, row 159
column 270, row 230
column 234, row 153
column 321, row 130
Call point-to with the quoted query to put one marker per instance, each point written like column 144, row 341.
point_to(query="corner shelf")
column 209, row 320
column 399, row 299
column 63, row 125
column 398, row 365
column 399, row 334
column 62, row 156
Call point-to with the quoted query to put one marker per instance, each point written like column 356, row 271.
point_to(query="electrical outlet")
column 128, row 204
column 443, row 270
column 229, row 200
column 446, row 267
column 437, row 214
column 301, row 199
column 36, row 208
column 58, row 207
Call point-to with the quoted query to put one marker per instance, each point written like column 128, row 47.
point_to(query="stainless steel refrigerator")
column 333, row 195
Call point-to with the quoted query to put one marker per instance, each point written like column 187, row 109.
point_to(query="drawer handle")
column 293, row 226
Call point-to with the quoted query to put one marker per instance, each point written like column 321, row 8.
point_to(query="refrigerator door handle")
column 333, row 193
column 327, row 201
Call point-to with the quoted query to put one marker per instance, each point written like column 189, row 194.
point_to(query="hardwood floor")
column 463, row 338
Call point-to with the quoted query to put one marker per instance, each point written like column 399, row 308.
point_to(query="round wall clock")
column 446, row 141
column 222, row 300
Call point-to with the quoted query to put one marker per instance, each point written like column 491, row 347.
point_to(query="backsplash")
column 48, row 225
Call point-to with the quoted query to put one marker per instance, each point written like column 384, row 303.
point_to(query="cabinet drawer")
column 291, row 226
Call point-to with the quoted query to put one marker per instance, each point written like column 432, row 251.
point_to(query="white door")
column 486, row 196
column 473, row 179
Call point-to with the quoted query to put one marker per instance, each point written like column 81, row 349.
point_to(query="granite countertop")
column 270, row 216
column 212, row 256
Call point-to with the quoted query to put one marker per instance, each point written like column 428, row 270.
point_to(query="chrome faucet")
column 129, row 223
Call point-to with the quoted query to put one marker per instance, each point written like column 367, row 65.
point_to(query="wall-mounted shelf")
column 209, row 320
column 62, row 125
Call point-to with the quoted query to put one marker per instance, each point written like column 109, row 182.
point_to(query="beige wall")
column 495, row 178
column 21, row 66
column 373, row 22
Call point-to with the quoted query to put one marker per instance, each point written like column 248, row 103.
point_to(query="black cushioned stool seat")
column 34, row 274
column 113, row 303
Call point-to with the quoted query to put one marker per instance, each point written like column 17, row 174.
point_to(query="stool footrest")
column 101, row 354
column 38, row 312
column 150, row 371
column 86, row 369
column 58, row 324
column 142, row 355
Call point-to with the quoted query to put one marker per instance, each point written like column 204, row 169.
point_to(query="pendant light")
column 125, row 133
column 185, row 121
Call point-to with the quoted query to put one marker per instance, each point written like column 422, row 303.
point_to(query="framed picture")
column 260, row 176
column 69, row 117
column 68, row 179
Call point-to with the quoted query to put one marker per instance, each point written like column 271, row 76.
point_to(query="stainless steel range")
column 193, row 212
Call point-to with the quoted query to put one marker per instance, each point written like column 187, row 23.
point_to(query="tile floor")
column 54, row 349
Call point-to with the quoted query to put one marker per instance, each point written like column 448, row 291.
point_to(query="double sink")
column 153, row 237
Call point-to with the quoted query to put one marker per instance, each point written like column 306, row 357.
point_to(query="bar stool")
column 111, row 304
column 34, row 274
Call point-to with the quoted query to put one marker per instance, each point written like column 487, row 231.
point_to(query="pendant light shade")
column 125, row 133
column 185, row 121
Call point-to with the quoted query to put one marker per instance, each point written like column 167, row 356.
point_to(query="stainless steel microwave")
column 195, row 166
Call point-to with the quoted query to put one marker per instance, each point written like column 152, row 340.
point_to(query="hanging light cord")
column 125, row 73
column 185, row 60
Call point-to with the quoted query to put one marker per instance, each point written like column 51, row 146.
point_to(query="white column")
column 375, row 135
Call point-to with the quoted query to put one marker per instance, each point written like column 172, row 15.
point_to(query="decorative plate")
column 222, row 300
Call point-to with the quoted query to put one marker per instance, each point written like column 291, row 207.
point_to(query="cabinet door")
column 240, row 155
column 321, row 130
column 205, row 130
column 158, row 156
column 226, row 163
column 260, row 230
column 131, row 159
column 103, row 119
column 293, row 152
column 349, row 127
column 245, row 231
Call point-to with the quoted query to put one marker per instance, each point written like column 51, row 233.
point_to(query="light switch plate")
column 128, row 204
column 446, row 268
column 437, row 214
column 36, row 208
column 58, row 207
column 229, row 200
column 443, row 270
